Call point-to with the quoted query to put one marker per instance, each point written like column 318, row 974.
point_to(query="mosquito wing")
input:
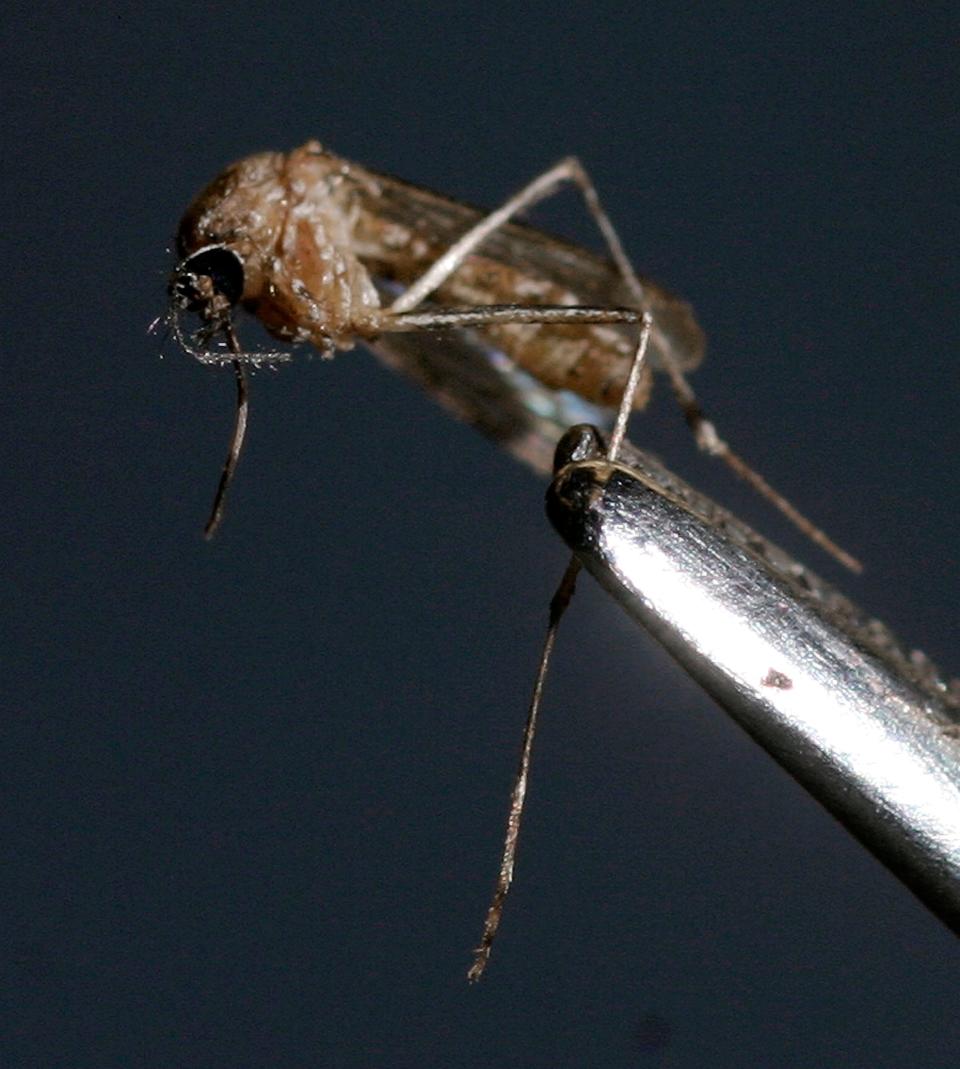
column 403, row 228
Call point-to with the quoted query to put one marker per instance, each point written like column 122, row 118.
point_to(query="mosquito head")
column 208, row 283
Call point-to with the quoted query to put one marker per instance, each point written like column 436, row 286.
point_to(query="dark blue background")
column 256, row 788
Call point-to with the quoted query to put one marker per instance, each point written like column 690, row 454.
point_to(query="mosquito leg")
column 707, row 439
column 558, row 606
column 491, row 315
column 486, row 315
column 629, row 391
column 540, row 188
column 705, row 433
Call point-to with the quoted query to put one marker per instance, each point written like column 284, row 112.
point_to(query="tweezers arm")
column 870, row 732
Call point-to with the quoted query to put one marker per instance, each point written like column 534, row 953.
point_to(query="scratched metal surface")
column 256, row 788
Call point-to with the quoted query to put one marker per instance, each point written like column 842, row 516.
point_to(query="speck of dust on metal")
column 516, row 332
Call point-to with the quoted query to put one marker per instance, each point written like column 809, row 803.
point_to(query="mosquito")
column 536, row 333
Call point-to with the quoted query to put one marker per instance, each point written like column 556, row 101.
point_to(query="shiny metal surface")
column 869, row 729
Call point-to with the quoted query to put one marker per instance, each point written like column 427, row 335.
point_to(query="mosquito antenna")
column 558, row 605
column 236, row 439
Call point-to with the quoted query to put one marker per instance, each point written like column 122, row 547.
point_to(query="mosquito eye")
column 220, row 265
